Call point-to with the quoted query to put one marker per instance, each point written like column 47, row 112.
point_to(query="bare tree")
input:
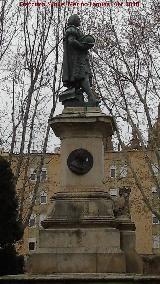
column 42, row 76
column 126, row 74
column 9, row 16
column 31, row 48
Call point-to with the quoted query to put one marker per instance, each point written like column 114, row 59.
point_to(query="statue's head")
column 74, row 20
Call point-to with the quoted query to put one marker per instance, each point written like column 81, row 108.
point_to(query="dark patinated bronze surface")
column 77, row 75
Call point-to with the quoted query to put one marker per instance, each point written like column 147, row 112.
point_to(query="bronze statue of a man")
column 76, row 68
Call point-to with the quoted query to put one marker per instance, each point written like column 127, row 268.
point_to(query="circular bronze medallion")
column 80, row 161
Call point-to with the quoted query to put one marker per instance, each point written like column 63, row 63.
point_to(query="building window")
column 30, row 197
column 33, row 175
column 43, row 198
column 113, row 192
column 32, row 244
column 123, row 171
column 41, row 218
column 154, row 189
column 155, row 192
column 113, row 171
column 155, row 220
column 156, row 242
column 44, row 174
column 32, row 221
column 155, row 169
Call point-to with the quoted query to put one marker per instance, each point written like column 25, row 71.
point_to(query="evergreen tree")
column 11, row 229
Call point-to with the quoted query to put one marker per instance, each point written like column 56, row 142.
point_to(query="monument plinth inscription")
column 83, row 231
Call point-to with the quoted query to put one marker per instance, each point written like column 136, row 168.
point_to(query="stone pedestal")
column 82, row 128
column 81, row 233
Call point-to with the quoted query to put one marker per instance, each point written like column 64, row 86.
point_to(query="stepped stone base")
column 90, row 249
column 48, row 263
column 82, row 250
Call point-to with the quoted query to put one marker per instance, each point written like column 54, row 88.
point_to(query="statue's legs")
column 85, row 85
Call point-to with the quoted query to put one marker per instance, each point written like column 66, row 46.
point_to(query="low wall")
column 80, row 279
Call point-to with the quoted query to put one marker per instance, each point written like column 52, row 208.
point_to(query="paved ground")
column 81, row 278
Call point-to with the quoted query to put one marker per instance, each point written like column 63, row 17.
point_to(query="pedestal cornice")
column 80, row 122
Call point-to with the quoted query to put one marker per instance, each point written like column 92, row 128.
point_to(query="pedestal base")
column 48, row 263
column 81, row 232
column 84, row 250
